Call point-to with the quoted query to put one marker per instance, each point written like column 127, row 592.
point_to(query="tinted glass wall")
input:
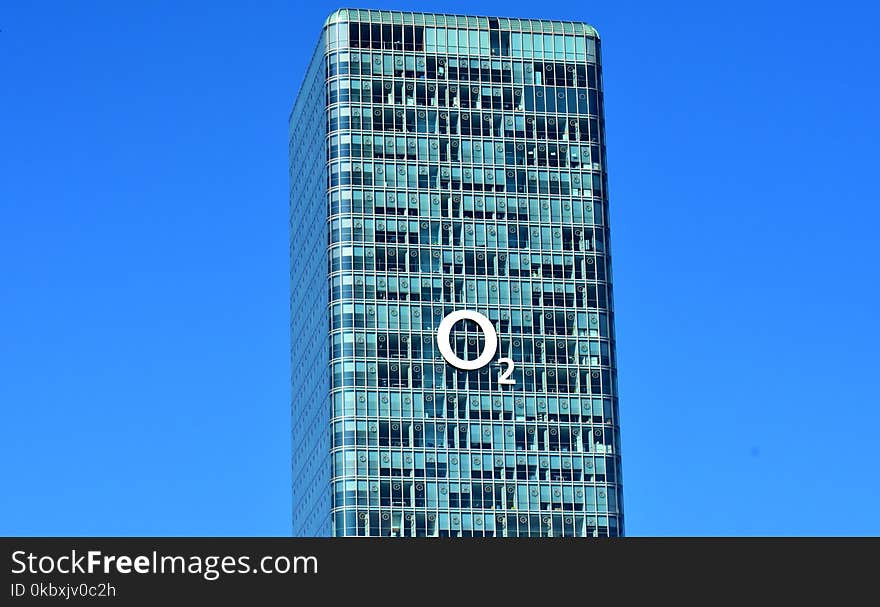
column 465, row 171
column 309, row 351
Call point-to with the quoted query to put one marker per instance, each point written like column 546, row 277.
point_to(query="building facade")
column 444, row 164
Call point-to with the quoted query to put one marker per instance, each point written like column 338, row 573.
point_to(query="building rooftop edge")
column 345, row 14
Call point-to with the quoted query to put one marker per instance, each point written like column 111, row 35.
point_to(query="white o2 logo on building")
column 489, row 349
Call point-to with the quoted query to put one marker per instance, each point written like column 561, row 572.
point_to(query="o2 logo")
column 489, row 349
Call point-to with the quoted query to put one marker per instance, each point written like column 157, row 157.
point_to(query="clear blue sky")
column 143, row 262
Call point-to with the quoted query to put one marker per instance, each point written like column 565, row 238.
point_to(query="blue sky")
column 143, row 262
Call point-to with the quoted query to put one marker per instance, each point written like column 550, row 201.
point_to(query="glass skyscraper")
column 452, row 165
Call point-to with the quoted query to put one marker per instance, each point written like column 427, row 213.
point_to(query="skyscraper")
column 452, row 332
